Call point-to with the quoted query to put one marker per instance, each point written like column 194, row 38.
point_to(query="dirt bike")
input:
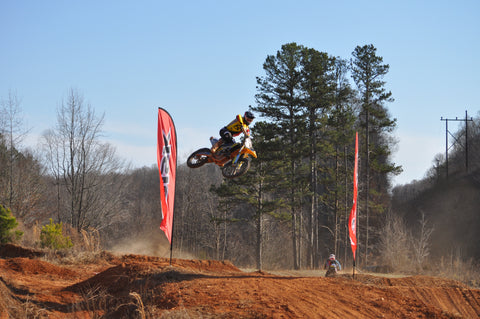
column 332, row 270
column 233, row 158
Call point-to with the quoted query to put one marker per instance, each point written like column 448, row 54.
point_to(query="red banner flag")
column 167, row 166
column 352, row 221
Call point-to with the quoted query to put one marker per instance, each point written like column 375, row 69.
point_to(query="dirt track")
column 131, row 286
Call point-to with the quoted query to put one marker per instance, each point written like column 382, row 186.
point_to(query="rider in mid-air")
column 238, row 125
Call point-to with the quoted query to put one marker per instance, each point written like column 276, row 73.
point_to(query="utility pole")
column 447, row 146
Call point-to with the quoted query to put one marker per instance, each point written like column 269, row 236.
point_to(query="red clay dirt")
column 137, row 286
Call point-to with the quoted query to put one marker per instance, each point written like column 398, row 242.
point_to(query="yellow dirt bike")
column 233, row 159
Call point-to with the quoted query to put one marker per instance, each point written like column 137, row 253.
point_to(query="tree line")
column 309, row 112
column 289, row 211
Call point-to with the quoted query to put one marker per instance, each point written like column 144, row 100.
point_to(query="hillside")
column 137, row 286
column 451, row 211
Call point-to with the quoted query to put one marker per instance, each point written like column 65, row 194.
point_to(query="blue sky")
column 199, row 60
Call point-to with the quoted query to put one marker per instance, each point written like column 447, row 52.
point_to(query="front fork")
column 239, row 155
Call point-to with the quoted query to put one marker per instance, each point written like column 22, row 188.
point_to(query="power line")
column 447, row 132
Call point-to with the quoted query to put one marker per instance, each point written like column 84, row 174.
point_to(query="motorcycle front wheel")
column 231, row 170
column 198, row 158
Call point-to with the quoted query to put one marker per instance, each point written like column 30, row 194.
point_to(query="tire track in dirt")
column 452, row 301
column 289, row 297
column 199, row 289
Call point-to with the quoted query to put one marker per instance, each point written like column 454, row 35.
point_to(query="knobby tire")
column 237, row 170
column 196, row 160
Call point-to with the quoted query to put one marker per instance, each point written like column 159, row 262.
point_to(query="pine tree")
column 341, row 132
column 319, row 87
column 7, row 225
column 263, row 178
column 280, row 99
column 368, row 72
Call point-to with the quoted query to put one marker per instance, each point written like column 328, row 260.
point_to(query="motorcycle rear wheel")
column 197, row 159
column 231, row 170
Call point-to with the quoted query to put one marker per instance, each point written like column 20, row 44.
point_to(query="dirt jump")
column 137, row 286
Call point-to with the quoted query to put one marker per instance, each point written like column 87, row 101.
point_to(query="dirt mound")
column 131, row 286
column 193, row 265
column 11, row 251
column 26, row 266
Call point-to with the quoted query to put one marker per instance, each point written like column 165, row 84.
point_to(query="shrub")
column 52, row 237
column 7, row 223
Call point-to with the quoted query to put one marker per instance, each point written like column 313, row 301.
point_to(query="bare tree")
column 86, row 171
column 421, row 242
column 19, row 170
column 196, row 224
column 11, row 123
column 394, row 242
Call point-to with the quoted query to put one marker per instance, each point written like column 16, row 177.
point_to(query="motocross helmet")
column 248, row 117
column 332, row 257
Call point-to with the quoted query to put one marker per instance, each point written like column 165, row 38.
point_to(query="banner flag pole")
column 352, row 221
column 167, row 167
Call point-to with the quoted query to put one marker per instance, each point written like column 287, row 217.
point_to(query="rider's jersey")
column 235, row 126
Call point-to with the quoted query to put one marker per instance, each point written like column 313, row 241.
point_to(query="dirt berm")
column 135, row 286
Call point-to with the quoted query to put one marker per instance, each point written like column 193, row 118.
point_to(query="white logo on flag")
column 165, row 163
